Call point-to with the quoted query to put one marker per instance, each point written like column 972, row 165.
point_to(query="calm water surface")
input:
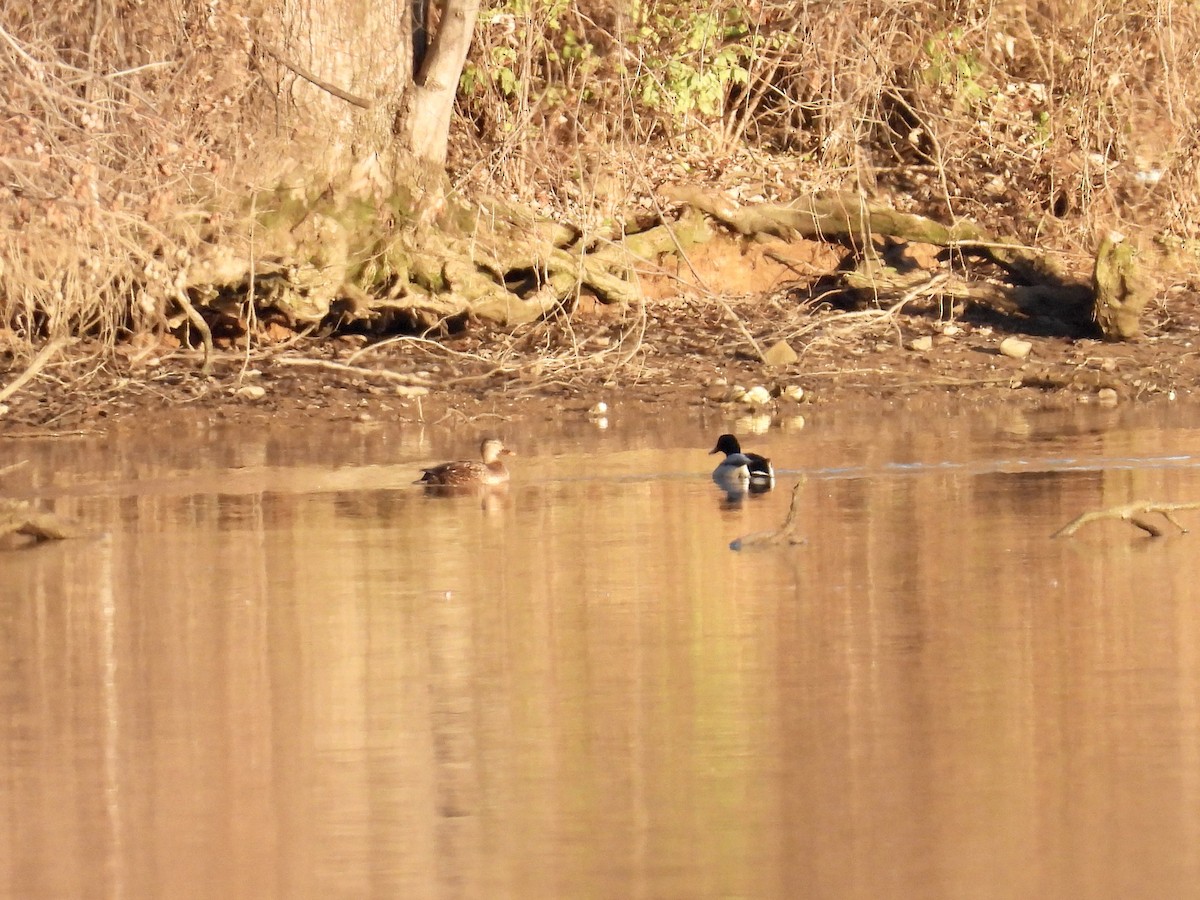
column 276, row 669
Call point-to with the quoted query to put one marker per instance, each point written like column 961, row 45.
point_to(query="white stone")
column 1015, row 348
column 251, row 392
column 757, row 396
column 922, row 344
column 411, row 390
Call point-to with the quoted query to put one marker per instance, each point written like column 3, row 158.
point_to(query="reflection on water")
column 279, row 670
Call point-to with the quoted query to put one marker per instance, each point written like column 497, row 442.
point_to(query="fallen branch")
column 399, row 377
column 19, row 517
column 12, row 467
column 1132, row 513
column 39, row 362
column 784, row 534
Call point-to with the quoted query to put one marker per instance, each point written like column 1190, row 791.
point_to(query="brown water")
column 276, row 669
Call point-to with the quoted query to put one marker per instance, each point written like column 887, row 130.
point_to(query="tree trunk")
column 437, row 82
column 347, row 67
column 348, row 76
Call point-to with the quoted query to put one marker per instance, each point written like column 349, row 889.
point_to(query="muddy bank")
column 676, row 350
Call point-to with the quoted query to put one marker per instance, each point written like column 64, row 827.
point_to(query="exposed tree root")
column 1113, row 300
column 847, row 217
column 1132, row 513
column 1122, row 288
column 347, row 257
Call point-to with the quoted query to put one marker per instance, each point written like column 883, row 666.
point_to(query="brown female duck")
column 465, row 472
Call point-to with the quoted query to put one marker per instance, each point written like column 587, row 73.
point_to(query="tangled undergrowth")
column 132, row 133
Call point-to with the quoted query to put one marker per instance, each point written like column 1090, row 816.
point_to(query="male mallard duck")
column 742, row 468
column 464, row 472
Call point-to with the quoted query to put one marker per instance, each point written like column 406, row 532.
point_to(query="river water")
column 275, row 668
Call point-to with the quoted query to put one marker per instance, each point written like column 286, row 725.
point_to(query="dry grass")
column 126, row 128
column 1048, row 122
column 118, row 132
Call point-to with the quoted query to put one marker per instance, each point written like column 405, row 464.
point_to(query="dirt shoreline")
column 679, row 352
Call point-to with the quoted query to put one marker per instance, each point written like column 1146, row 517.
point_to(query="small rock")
column 922, row 344
column 1107, row 397
column 1015, row 348
column 756, row 396
column 411, row 390
column 718, row 391
column 598, row 410
column 793, row 392
column 780, row 354
column 950, row 329
column 251, row 392
column 925, row 256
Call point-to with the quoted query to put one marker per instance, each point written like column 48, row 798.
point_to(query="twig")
column 353, row 370
column 34, row 367
column 41, row 434
column 784, row 534
column 432, row 345
column 313, row 79
column 1130, row 512
column 12, row 467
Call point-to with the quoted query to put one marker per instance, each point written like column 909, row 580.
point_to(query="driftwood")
column 784, row 534
column 1132, row 513
column 19, row 517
